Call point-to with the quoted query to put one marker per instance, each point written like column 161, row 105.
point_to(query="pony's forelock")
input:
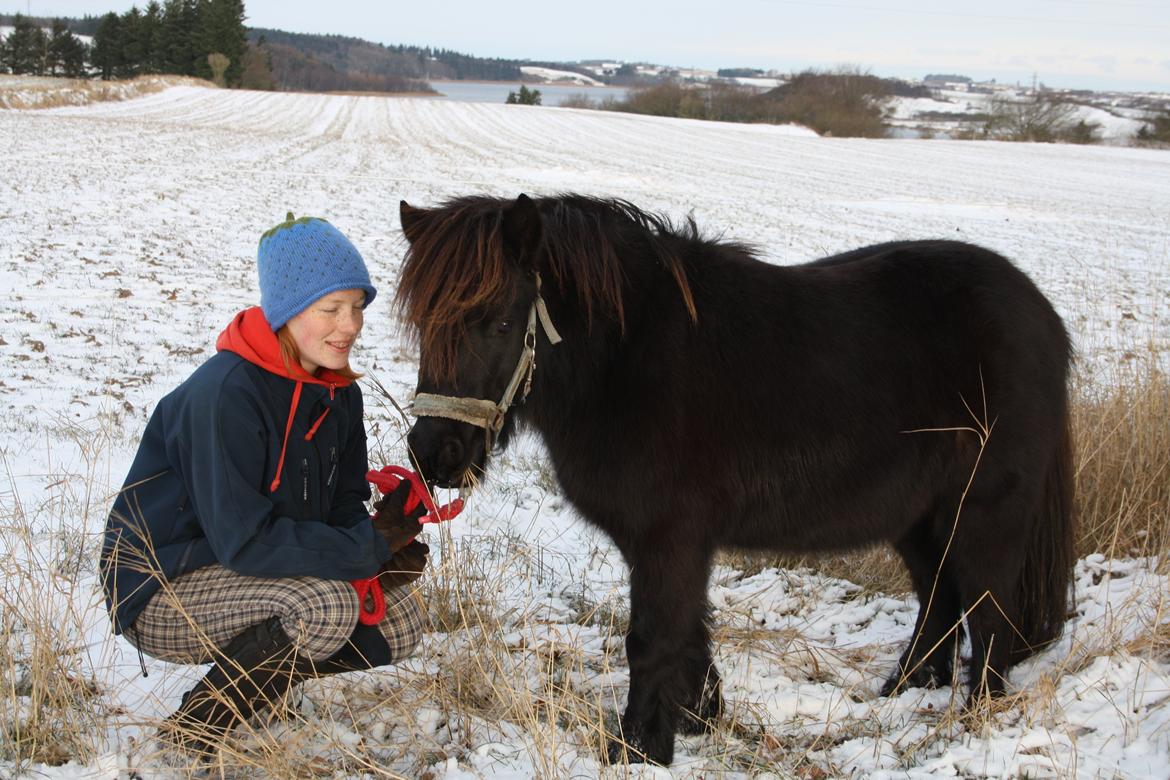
column 455, row 266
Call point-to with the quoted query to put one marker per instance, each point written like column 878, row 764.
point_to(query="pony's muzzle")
column 442, row 450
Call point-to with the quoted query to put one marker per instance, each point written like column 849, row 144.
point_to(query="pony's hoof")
column 693, row 726
column 619, row 752
column 704, row 720
column 922, row 677
column 638, row 751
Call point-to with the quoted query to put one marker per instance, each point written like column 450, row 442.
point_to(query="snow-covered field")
column 127, row 238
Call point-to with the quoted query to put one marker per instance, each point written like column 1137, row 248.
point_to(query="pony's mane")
column 456, row 268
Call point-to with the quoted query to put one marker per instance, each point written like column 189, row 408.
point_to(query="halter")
column 486, row 414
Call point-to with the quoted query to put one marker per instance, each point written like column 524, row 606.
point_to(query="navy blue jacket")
column 200, row 490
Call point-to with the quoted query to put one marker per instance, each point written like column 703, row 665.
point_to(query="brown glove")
column 405, row 567
column 395, row 525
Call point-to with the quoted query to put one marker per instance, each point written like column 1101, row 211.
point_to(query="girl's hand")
column 397, row 526
column 405, row 567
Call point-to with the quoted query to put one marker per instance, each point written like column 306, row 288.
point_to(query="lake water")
column 497, row 91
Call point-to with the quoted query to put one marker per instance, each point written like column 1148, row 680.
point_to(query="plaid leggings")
column 206, row 608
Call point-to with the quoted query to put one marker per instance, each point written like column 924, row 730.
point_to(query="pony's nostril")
column 450, row 454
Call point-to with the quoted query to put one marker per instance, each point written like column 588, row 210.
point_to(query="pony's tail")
column 1043, row 588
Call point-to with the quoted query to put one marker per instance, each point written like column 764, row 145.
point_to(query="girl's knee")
column 319, row 615
column 404, row 622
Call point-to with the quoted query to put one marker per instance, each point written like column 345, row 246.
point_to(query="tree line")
column 294, row 53
column 175, row 36
column 28, row 49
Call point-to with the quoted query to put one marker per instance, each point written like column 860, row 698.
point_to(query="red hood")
column 250, row 336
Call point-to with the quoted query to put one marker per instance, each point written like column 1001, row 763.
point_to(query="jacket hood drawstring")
column 250, row 336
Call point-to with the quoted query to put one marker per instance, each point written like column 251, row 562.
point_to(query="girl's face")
column 326, row 331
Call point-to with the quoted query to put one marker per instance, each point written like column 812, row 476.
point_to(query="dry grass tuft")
column 500, row 665
column 875, row 569
column 44, row 92
column 1122, row 433
column 50, row 707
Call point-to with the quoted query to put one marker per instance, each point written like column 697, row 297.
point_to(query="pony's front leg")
column 668, row 647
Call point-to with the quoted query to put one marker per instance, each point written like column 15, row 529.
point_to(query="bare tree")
column 219, row 64
column 1040, row 117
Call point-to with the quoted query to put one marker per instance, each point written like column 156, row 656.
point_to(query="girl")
column 243, row 518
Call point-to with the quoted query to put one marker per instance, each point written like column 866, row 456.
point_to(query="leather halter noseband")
column 483, row 413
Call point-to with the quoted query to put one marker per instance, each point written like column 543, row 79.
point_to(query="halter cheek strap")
column 483, row 413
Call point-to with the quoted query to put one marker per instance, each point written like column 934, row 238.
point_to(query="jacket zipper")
column 332, row 467
column 305, row 480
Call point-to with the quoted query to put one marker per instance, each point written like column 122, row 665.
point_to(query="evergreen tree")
column 26, row 47
column 176, row 30
column 133, row 48
column 66, row 55
column 150, row 37
column 222, row 31
column 526, row 97
column 106, row 52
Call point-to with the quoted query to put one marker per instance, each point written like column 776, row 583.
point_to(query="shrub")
column 1156, row 132
column 1040, row 118
column 846, row 102
column 219, row 64
column 578, row 100
column 842, row 103
column 525, row 97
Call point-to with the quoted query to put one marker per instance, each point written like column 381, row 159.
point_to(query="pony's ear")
column 522, row 227
column 410, row 217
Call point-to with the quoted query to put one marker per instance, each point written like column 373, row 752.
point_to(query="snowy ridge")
column 559, row 76
column 128, row 240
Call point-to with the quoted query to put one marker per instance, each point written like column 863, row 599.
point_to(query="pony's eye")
column 504, row 326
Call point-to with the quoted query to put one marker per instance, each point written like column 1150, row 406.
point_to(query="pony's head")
column 471, row 293
column 467, row 290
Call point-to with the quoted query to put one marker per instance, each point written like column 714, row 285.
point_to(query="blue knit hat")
column 302, row 259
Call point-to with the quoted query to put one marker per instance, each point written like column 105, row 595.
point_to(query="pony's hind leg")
column 928, row 660
column 668, row 584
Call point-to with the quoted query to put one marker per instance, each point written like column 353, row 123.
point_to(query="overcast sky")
column 1093, row 44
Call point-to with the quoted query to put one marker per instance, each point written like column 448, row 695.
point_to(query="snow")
column 127, row 238
column 909, row 108
column 759, row 82
column 559, row 76
column 6, row 30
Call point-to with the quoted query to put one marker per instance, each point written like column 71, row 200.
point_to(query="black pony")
column 912, row 392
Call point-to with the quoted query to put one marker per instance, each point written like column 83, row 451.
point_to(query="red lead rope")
column 386, row 480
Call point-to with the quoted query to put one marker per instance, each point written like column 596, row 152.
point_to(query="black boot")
column 366, row 648
column 254, row 670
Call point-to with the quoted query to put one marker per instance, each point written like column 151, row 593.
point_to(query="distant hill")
column 336, row 62
column 300, row 61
